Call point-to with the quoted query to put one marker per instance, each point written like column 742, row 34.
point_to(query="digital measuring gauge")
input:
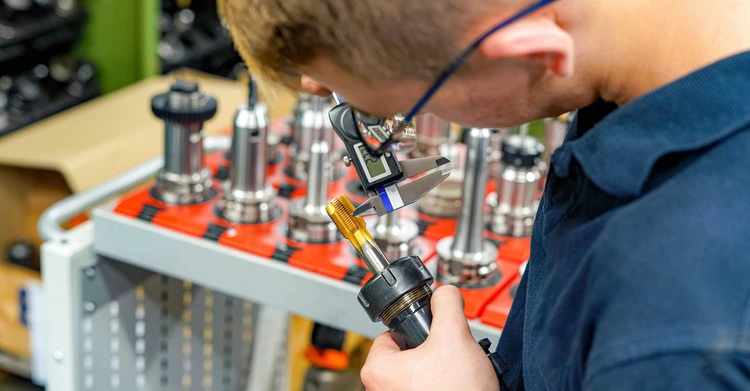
column 374, row 172
column 375, row 168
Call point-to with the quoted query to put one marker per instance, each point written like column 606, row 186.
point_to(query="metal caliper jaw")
column 401, row 194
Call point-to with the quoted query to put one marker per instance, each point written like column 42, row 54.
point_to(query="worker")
column 639, row 275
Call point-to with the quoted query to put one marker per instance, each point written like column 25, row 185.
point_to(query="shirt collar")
column 702, row 108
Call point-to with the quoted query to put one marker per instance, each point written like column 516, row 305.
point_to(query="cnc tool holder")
column 432, row 132
column 496, row 154
column 400, row 297
column 513, row 205
column 395, row 235
column 311, row 124
column 247, row 195
column 184, row 179
column 308, row 220
column 467, row 260
column 445, row 199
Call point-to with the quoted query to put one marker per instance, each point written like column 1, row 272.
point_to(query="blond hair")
column 371, row 39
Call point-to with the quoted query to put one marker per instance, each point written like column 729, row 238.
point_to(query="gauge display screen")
column 378, row 132
column 375, row 168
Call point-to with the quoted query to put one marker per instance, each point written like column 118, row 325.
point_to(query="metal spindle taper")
column 308, row 220
column 312, row 124
column 432, row 132
column 468, row 260
column 248, row 197
column 395, row 235
column 184, row 109
column 496, row 153
column 445, row 199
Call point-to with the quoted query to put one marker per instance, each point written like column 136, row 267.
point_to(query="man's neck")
column 655, row 45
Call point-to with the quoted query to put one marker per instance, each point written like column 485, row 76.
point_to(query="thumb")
column 383, row 345
column 448, row 318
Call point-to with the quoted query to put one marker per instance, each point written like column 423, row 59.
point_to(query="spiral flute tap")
column 467, row 260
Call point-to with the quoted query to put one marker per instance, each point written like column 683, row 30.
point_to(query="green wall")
column 121, row 38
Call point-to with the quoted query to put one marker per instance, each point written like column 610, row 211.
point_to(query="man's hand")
column 449, row 360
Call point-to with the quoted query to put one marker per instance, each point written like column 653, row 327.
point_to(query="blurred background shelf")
column 193, row 36
column 29, row 38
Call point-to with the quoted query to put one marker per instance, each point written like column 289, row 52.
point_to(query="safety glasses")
column 380, row 143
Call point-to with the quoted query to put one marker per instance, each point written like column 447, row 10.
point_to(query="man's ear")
column 537, row 37
column 311, row 86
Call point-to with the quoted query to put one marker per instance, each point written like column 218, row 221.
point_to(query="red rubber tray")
column 496, row 312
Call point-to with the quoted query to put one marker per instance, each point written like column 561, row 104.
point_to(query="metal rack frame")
column 115, row 326
column 104, row 263
column 240, row 274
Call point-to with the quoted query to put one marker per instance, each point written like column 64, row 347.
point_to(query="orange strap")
column 335, row 360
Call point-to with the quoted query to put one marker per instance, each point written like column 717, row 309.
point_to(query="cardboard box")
column 14, row 338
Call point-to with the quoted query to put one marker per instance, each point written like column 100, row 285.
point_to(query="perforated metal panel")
column 145, row 331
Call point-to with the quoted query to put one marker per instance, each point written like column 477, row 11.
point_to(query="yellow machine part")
column 300, row 330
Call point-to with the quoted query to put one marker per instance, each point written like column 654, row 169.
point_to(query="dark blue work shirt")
column 639, row 277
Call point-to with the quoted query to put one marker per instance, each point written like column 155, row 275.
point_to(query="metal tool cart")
column 132, row 298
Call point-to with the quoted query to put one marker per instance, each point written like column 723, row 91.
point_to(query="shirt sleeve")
column 703, row 371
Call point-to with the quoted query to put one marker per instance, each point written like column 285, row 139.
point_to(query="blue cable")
column 454, row 67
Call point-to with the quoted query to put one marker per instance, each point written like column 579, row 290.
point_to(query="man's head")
column 383, row 55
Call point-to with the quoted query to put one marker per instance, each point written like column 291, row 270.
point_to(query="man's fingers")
column 448, row 318
column 313, row 87
column 381, row 363
column 384, row 344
